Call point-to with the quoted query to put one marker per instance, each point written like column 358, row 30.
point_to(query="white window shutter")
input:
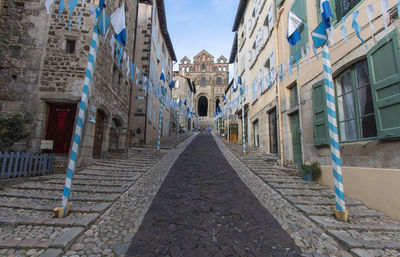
column 270, row 18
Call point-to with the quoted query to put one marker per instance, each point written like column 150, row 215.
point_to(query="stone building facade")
column 154, row 55
column 211, row 79
column 43, row 66
column 184, row 91
column 367, row 96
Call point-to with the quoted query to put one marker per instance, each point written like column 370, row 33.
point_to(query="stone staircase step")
column 102, row 177
column 368, row 240
column 45, row 194
column 60, row 187
column 12, row 216
column 91, row 182
column 58, row 237
column 110, row 174
column 311, row 186
column 306, row 192
column 322, row 200
column 49, row 205
column 372, row 224
column 321, row 210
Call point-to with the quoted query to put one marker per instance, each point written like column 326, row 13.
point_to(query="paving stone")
column 65, row 239
column 52, row 253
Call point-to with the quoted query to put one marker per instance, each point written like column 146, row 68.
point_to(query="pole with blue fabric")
column 179, row 120
column 243, row 124
column 62, row 211
column 163, row 93
column 228, row 129
column 339, row 208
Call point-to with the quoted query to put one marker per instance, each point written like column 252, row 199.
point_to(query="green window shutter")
column 320, row 117
column 384, row 71
column 279, row 2
column 300, row 9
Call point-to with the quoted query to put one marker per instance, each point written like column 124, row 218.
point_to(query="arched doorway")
column 98, row 133
column 217, row 102
column 202, row 106
column 115, row 133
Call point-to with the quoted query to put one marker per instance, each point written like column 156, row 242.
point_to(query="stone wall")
column 37, row 69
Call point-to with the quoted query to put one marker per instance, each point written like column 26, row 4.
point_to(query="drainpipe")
column 131, row 86
column 279, row 89
column 148, row 74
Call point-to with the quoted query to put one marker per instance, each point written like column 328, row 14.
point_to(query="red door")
column 60, row 126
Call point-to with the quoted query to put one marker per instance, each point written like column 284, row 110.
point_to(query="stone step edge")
column 97, row 190
column 65, row 222
column 62, row 241
column 108, row 199
column 98, row 208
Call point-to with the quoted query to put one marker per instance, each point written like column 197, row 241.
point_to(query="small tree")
column 12, row 130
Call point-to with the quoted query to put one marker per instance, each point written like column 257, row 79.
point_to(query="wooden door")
column 273, row 132
column 98, row 134
column 256, row 134
column 60, row 125
column 296, row 138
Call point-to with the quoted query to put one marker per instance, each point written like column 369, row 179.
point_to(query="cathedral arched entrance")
column 217, row 103
column 202, row 106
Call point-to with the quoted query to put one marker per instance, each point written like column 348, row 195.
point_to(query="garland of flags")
column 319, row 35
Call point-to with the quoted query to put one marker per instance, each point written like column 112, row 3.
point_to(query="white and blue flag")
column 118, row 22
column 293, row 33
column 103, row 23
column 162, row 77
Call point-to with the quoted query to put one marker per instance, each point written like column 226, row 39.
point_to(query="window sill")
column 293, row 110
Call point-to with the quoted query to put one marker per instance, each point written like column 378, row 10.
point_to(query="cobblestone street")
column 204, row 209
column 201, row 197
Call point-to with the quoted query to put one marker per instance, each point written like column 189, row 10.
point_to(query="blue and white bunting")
column 103, row 23
column 71, row 6
column 371, row 13
column 385, row 8
column 48, row 4
column 344, row 29
column 357, row 27
column 293, row 34
column 61, row 8
column 118, row 22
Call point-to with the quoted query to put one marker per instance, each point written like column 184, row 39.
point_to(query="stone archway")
column 202, row 106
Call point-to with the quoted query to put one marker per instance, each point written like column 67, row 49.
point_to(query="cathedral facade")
column 211, row 79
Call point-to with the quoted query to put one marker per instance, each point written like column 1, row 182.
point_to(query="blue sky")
column 195, row 25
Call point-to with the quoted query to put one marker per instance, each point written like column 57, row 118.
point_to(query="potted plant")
column 310, row 171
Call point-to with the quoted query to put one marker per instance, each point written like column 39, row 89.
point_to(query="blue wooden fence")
column 14, row 165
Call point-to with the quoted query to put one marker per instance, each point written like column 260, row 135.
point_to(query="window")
column 203, row 81
column 203, row 66
column 299, row 8
column 70, row 46
column 149, row 110
column 268, row 73
column 294, row 101
column 342, row 7
column 164, row 50
column 355, row 109
column 219, row 81
column 154, row 117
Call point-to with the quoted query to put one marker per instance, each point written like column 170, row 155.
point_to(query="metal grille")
column 342, row 7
